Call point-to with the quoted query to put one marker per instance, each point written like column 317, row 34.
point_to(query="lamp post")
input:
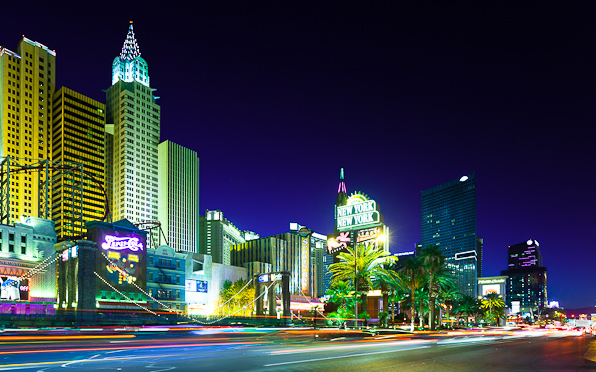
column 355, row 286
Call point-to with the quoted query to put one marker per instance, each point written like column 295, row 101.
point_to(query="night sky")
column 276, row 97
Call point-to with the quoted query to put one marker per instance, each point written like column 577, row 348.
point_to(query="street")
column 154, row 350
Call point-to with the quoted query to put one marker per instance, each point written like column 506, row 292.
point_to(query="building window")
column 150, row 260
column 23, row 250
column 150, row 276
column 23, row 238
column 11, row 248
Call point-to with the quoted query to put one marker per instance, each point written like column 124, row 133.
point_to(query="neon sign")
column 118, row 244
column 357, row 214
column 368, row 234
column 339, row 243
column 122, row 267
column 305, row 264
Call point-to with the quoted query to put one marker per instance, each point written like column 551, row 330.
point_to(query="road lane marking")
column 343, row 356
column 31, row 365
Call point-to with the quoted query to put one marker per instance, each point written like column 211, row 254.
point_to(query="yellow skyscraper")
column 27, row 80
column 78, row 137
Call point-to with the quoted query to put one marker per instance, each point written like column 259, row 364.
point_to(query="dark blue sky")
column 276, row 97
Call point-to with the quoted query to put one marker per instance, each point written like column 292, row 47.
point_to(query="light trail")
column 30, row 365
column 136, row 347
column 62, row 338
column 343, row 356
column 348, row 346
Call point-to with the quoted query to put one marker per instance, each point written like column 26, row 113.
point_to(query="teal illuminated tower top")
column 129, row 66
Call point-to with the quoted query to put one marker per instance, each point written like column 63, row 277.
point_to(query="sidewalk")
column 590, row 354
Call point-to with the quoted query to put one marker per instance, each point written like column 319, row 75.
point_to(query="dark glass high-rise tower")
column 449, row 222
column 526, row 282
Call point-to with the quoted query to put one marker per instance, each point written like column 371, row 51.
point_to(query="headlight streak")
column 344, row 356
column 467, row 340
column 135, row 347
column 62, row 338
column 347, row 346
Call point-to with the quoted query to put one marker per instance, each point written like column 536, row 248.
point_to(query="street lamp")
column 355, row 286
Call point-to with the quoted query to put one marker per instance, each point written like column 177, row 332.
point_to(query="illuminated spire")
column 342, row 184
column 129, row 66
column 342, row 195
column 130, row 49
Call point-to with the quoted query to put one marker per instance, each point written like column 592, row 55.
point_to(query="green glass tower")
column 449, row 222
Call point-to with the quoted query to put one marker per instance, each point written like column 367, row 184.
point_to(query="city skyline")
column 403, row 97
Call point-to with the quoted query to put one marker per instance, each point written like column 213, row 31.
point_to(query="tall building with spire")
column 132, row 109
column 27, row 81
column 342, row 195
column 358, row 221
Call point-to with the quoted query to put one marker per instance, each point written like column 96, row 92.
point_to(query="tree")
column 341, row 293
column 422, row 303
column 433, row 260
column 446, row 288
column 490, row 301
column 412, row 278
column 237, row 296
column 450, row 293
column 391, row 287
column 468, row 306
column 361, row 266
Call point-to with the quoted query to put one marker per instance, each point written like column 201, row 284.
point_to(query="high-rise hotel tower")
column 131, row 108
column 449, row 222
column 179, row 196
column 27, row 80
column 78, row 135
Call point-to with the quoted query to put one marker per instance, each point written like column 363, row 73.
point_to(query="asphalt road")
column 301, row 350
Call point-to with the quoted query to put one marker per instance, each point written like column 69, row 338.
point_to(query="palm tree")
column 422, row 302
column 468, row 306
column 433, row 260
column 362, row 265
column 490, row 301
column 445, row 283
column 389, row 285
column 450, row 293
column 412, row 279
column 341, row 293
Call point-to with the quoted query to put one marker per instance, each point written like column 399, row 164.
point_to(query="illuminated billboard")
column 494, row 284
column 304, row 234
column 121, row 258
column 200, row 286
column 13, row 288
column 366, row 235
